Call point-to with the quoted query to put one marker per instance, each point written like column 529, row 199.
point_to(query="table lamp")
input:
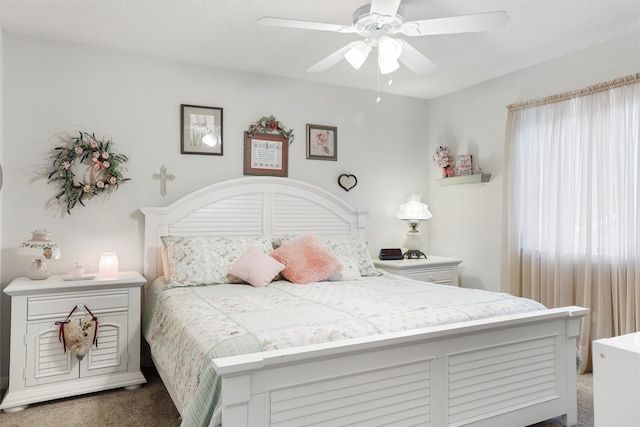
column 39, row 247
column 414, row 212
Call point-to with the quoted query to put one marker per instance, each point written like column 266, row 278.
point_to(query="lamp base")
column 38, row 270
column 414, row 254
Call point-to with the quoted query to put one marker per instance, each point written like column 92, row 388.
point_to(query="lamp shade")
column 413, row 209
column 40, row 246
column 358, row 54
column 389, row 51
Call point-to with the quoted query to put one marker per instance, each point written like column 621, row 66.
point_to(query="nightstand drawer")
column 440, row 270
column 59, row 305
column 436, row 275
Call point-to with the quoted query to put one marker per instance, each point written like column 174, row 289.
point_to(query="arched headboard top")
column 249, row 206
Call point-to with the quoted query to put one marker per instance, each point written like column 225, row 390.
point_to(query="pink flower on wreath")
column 112, row 180
column 95, row 154
column 66, row 165
column 94, row 144
column 105, row 165
column 100, row 184
column 272, row 126
column 78, row 150
column 86, row 188
column 105, row 155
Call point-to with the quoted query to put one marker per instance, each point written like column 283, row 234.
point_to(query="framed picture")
column 322, row 142
column 201, row 130
column 265, row 154
column 464, row 165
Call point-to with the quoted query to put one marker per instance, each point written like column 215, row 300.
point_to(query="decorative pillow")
column 256, row 268
column 349, row 270
column 341, row 245
column 207, row 260
column 306, row 260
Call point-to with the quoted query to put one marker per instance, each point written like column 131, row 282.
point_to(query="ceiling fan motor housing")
column 373, row 25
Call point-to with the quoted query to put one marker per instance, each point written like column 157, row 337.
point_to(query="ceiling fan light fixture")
column 389, row 48
column 358, row 54
column 387, row 65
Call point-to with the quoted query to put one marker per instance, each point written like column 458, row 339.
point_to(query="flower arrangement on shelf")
column 445, row 160
column 269, row 124
column 105, row 169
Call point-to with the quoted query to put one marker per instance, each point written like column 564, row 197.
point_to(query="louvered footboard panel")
column 398, row 396
column 498, row 379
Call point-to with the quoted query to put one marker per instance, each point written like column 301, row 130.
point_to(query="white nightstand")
column 40, row 370
column 616, row 381
column 435, row 269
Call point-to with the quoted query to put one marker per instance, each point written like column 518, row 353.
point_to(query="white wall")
column 467, row 219
column 52, row 87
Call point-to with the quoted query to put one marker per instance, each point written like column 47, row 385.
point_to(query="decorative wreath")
column 105, row 171
column 271, row 125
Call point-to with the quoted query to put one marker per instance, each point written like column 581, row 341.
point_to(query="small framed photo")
column 265, row 154
column 464, row 165
column 201, row 130
column 322, row 142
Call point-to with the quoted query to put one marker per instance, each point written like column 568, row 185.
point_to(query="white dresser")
column 616, row 381
column 40, row 369
column 432, row 269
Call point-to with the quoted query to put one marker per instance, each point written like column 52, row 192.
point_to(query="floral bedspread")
column 186, row 327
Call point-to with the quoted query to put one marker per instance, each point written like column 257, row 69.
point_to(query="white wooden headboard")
column 250, row 206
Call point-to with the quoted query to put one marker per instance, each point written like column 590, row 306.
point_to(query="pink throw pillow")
column 306, row 260
column 256, row 268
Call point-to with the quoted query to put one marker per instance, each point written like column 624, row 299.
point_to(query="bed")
column 361, row 348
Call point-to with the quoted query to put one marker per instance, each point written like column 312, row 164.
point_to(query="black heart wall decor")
column 347, row 182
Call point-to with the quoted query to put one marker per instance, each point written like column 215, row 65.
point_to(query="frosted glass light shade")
column 358, row 54
column 40, row 246
column 108, row 266
column 414, row 209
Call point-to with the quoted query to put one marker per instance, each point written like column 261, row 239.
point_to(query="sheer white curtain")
column 573, row 205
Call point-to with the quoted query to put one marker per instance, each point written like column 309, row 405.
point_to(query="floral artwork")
column 202, row 131
column 445, row 160
column 322, row 142
column 104, row 171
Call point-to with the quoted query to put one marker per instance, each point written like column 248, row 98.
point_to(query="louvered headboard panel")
column 249, row 206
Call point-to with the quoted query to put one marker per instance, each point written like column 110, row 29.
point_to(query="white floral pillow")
column 208, row 259
column 349, row 270
column 341, row 245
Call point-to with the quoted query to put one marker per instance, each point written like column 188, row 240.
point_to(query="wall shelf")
column 465, row 179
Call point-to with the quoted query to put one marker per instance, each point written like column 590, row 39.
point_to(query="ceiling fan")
column 378, row 22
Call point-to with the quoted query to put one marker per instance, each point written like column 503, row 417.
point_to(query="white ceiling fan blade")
column 305, row 25
column 385, row 7
column 414, row 60
column 331, row 60
column 456, row 24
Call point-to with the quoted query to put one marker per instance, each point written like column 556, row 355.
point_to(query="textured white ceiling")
column 224, row 33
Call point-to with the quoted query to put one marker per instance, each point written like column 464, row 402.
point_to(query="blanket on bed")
column 187, row 327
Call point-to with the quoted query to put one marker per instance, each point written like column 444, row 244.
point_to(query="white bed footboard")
column 513, row 370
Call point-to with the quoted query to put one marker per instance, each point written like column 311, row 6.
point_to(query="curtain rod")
column 601, row 87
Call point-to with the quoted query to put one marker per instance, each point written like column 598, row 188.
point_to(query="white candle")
column 108, row 267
